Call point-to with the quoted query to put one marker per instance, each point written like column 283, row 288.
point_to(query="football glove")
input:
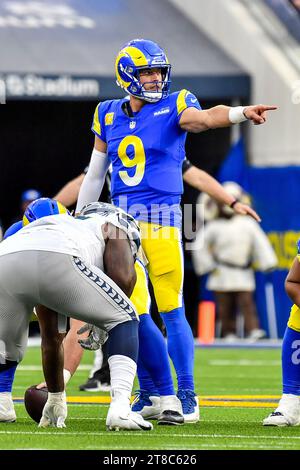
column 55, row 411
column 96, row 338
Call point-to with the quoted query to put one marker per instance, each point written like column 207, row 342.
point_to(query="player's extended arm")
column 52, row 349
column 118, row 259
column 92, row 184
column 194, row 120
column 69, row 193
column 202, row 181
column 292, row 282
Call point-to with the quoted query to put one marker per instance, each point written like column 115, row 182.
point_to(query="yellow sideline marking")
column 241, row 404
column 102, row 399
column 242, row 397
column 243, row 401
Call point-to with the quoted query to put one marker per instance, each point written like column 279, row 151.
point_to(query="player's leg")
column 156, row 397
column 15, row 314
column 163, row 249
column 288, row 411
column 88, row 294
column 14, row 323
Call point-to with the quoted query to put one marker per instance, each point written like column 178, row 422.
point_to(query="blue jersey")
column 146, row 151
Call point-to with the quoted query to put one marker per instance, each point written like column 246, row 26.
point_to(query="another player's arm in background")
column 202, row 181
column 195, row 120
column 292, row 282
column 69, row 193
column 93, row 181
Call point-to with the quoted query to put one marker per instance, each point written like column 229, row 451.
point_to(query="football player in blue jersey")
column 287, row 412
column 143, row 138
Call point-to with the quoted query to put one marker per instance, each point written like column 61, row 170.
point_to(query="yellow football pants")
column 163, row 249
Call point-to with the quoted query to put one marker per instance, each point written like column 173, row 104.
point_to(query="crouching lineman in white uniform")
column 59, row 262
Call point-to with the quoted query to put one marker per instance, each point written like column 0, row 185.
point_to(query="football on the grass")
column 34, row 401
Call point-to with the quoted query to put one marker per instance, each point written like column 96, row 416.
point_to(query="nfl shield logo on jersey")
column 132, row 125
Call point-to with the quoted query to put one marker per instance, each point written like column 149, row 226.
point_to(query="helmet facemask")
column 162, row 87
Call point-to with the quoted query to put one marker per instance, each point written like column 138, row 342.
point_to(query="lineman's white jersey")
column 81, row 237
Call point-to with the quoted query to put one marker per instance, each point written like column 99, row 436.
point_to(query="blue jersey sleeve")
column 186, row 99
column 298, row 247
column 98, row 125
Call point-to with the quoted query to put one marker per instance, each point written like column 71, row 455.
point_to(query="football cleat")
column 170, row 418
column 146, row 404
column 7, row 411
column 120, row 417
column 286, row 414
column 190, row 405
column 171, row 411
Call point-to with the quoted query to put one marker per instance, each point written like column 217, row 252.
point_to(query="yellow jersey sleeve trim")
column 96, row 124
column 298, row 258
column 181, row 104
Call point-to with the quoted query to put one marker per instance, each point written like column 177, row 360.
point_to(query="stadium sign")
column 33, row 86
column 35, row 14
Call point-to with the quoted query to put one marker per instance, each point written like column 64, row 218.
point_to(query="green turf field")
column 237, row 389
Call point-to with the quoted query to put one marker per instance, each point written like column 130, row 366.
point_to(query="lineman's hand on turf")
column 258, row 113
column 243, row 209
column 96, row 338
column 55, row 411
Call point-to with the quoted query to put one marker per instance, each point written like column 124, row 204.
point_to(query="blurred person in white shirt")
column 228, row 248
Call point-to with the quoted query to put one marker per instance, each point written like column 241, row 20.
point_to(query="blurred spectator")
column 227, row 248
column 27, row 197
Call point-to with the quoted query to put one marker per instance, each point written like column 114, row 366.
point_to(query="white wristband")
column 236, row 115
column 56, row 397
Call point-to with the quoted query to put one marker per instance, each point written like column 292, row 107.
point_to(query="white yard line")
column 139, row 434
column 244, row 362
column 31, row 368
